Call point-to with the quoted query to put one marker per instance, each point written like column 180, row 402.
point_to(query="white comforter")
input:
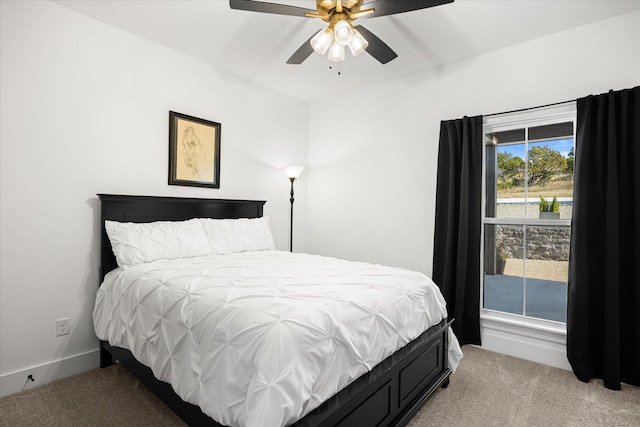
column 262, row 338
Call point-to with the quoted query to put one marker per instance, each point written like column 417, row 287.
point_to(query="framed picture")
column 194, row 151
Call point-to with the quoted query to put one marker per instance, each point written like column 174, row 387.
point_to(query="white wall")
column 372, row 176
column 85, row 110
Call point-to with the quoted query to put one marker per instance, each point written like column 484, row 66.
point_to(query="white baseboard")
column 542, row 346
column 14, row 382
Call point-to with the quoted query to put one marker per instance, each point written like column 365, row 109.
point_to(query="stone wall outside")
column 543, row 243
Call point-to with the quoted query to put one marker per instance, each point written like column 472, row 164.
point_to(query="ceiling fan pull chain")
column 331, row 67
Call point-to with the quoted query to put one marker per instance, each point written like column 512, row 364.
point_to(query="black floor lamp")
column 292, row 172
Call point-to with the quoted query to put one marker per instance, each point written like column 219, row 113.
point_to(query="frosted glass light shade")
column 358, row 44
column 336, row 52
column 322, row 40
column 342, row 33
column 293, row 171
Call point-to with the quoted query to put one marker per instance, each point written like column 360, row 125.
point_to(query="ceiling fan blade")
column 377, row 48
column 264, row 7
column 303, row 52
column 391, row 7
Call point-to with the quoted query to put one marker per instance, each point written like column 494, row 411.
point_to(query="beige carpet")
column 100, row 397
column 489, row 389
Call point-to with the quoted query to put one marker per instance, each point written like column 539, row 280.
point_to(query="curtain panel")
column 603, row 312
column 456, row 255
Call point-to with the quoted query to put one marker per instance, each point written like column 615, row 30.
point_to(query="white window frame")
column 548, row 330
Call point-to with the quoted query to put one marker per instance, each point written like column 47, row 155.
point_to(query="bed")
column 387, row 393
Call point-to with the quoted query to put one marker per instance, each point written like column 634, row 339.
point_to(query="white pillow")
column 135, row 243
column 227, row 236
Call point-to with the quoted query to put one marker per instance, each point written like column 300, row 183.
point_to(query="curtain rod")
column 530, row 108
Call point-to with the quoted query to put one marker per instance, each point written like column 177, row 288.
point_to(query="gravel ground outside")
column 538, row 269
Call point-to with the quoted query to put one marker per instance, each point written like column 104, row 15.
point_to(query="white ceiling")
column 257, row 45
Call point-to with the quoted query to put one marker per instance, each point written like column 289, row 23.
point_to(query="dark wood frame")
column 174, row 139
column 389, row 395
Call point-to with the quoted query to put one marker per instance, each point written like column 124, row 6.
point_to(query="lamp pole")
column 291, row 228
column 292, row 172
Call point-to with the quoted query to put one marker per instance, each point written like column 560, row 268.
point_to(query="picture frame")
column 194, row 151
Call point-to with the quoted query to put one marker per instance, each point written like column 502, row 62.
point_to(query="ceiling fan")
column 340, row 33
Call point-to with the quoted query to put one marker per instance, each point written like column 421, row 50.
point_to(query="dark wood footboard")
column 394, row 390
column 389, row 395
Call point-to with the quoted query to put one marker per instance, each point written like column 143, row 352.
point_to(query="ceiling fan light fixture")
column 340, row 14
column 336, row 52
column 342, row 33
column 358, row 43
column 322, row 40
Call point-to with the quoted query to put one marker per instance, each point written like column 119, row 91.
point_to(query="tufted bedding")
column 261, row 338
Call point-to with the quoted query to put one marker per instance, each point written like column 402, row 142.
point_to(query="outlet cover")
column 63, row 326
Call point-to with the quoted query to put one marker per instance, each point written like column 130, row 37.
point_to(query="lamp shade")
column 336, row 52
column 342, row 33
column 358, row 43
column 293, row 171
column 322, row 40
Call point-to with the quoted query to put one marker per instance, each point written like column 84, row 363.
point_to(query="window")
column 528, row 199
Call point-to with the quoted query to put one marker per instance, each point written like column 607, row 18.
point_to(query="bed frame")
column 389, row 395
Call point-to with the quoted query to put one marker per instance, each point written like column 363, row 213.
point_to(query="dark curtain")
column 603, row 313
column 456, row 253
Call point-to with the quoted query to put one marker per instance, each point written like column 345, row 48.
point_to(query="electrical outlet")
column 63, row 326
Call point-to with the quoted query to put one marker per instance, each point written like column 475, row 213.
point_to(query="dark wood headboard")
column 150, row 208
